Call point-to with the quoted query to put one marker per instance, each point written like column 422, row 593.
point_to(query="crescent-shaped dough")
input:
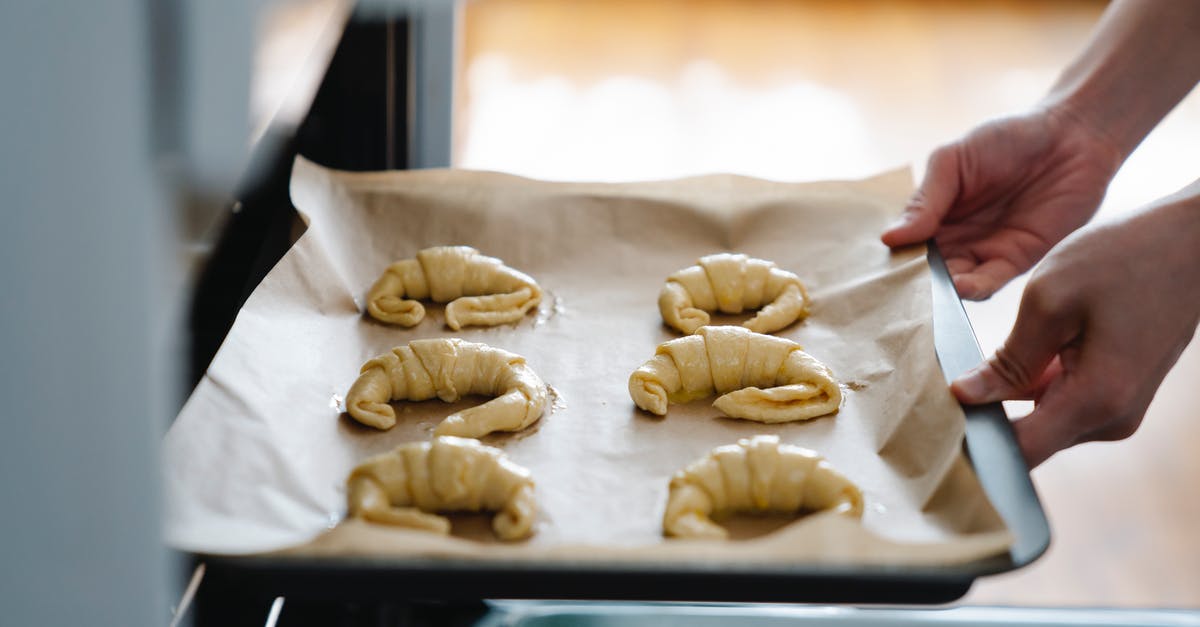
column 480, row 290
column 738, row 364
column 405, row 486
column 449, row 369
column 755, row 475
column 731, row 283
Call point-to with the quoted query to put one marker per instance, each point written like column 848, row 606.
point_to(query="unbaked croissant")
column 403, row 487
column 755, row 475
column 738, row 364
column 731, row 283
column 449, row 369
column 480, row 290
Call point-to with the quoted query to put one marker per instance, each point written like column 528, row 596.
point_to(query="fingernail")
column 972, row 385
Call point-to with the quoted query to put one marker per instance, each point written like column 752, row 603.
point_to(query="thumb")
column 1041, row 331
column 932, row 200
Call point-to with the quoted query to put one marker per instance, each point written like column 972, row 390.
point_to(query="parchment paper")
column 257, row 459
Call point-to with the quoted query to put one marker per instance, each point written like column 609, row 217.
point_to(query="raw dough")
column 755, row 475
column 403, row 487
column 449, row 369
column 480, row 290
column 737, row 363
column 730, row 283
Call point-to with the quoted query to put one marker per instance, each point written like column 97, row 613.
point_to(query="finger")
column 1117, row 430
column 1050, row 427
column 1041, row 331
column 935, row 196
column 1049, row 375
column 1038, row 389
column 960, row 265
column 1119, row 403
column 984, row 279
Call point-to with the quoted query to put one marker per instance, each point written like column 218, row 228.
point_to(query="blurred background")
column 134, row 142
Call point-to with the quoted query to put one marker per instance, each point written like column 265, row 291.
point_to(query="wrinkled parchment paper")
column 257, row 460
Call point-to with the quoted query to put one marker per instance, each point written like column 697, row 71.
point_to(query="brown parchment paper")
column 257, row 459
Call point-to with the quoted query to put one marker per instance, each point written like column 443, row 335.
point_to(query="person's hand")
column 998, row 199
column 1102, row 320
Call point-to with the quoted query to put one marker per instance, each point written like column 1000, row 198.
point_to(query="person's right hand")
column 998, row 199
column 1102, row 321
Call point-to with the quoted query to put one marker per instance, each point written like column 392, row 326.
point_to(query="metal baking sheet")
column 989, row 442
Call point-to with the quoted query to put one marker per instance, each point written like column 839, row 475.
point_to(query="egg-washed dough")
column 731, row 283
column 760, row 377
column 755, row 475
column 480, row 290
column 405, row 486
column 449, row 369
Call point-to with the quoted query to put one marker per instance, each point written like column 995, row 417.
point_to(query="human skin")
column 1102, row 320
column 1109, row 310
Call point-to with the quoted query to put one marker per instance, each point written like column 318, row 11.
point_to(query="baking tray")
column 259, row 234
column 990, row 447
column 625, row 614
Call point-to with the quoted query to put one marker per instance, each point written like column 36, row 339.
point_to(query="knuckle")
column 943, row 160
column 1114, row 408
column 917, row 203
column 1015, row 373
column 1121, row 430
column 943, row 153
column 1039, row 300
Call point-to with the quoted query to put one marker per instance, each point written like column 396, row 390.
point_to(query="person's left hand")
column 1101, row 322
column 998, row 199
